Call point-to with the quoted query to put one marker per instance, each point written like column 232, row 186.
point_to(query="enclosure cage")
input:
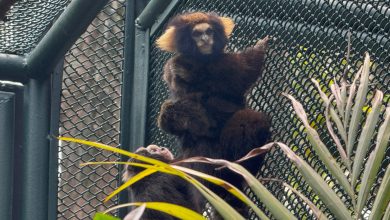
column 90, row 69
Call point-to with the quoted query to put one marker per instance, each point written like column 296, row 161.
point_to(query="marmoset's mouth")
column 205, row 48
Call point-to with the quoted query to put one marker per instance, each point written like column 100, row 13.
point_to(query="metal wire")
column 310, row 42
column 90, row 109
column 26, row 23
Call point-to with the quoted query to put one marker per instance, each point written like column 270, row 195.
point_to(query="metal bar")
column 13, row 68
column 163, row 17
column 7, row 123
column 149, row 15
column 54, row 132
column 128, row 72
column 34, row 190
column 139, row 89
column 17, row 147
column 62, row 35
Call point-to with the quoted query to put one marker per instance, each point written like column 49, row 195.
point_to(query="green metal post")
column 13, row 68
column 151, row 12
column 7, row 121
column 128, row 71
column 140, row 89
column 56, row 85
column 34, row 202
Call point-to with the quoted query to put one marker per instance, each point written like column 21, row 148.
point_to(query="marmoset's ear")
column 166, row 41
column 228, row 25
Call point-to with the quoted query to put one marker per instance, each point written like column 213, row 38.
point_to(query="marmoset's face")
column 154, row 149
column 203, row 35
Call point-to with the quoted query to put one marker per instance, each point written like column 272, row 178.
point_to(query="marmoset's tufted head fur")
column 196, row 34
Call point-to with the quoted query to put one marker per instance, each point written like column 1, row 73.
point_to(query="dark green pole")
column 34, row 202
column 56, row 85
column 128, row 70
column 13, row 68
column 7, row 121
column 151, row 12
column 37, row 191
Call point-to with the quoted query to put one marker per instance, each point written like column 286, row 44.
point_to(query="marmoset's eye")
column 209, row 31
column 196, row 34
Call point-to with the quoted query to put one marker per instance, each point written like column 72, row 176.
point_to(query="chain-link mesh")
column 26, row 23
column 310, row 42
column 90, row 109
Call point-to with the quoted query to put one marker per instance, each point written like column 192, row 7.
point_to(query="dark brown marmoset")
column 207, row 108
column 159, row 187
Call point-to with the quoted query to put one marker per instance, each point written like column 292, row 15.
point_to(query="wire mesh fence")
column 90, row 109
column 310, row 42
column 25, row 24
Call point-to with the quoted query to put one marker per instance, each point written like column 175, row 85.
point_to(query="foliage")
column 344, row 110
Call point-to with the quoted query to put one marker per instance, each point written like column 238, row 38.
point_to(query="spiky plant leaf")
column 136, row 214
column 102, row 216
column 374, row 161
column 360, row 99
column 219, row 204
column 229, row 187
column 320, row 148
column 317, row 183
column 366, row 136
column 351, row 95
column 171, row 209
column 335, row 117
column 382, row 199
column 276, row 208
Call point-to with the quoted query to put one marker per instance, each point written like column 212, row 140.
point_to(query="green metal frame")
column 38, row 194
column 140, row 74
column 7, row 123
column 154, row 14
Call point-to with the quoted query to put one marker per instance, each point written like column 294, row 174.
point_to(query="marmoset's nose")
column 204, row 37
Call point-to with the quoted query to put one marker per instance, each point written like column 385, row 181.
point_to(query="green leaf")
column 276, row 208
column 316, row 182
column 359, row 103
column 130, row 182
column 382, row 197
column 316, row 211
column 171, row 209
column 374, row 161
column 333, row 113
column 351, row 95
column 115, row 150
column 366, row 136
column 219, row 204
column 387, row 212
column 102, row 216
column 219, row 182
column 136, row 213
column 343, row 95
column 335, row 88
column 223, row 208
column 340, row 148
column 321, row 149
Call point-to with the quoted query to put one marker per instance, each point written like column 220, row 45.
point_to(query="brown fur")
column 159, row 187
column 206, row 110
